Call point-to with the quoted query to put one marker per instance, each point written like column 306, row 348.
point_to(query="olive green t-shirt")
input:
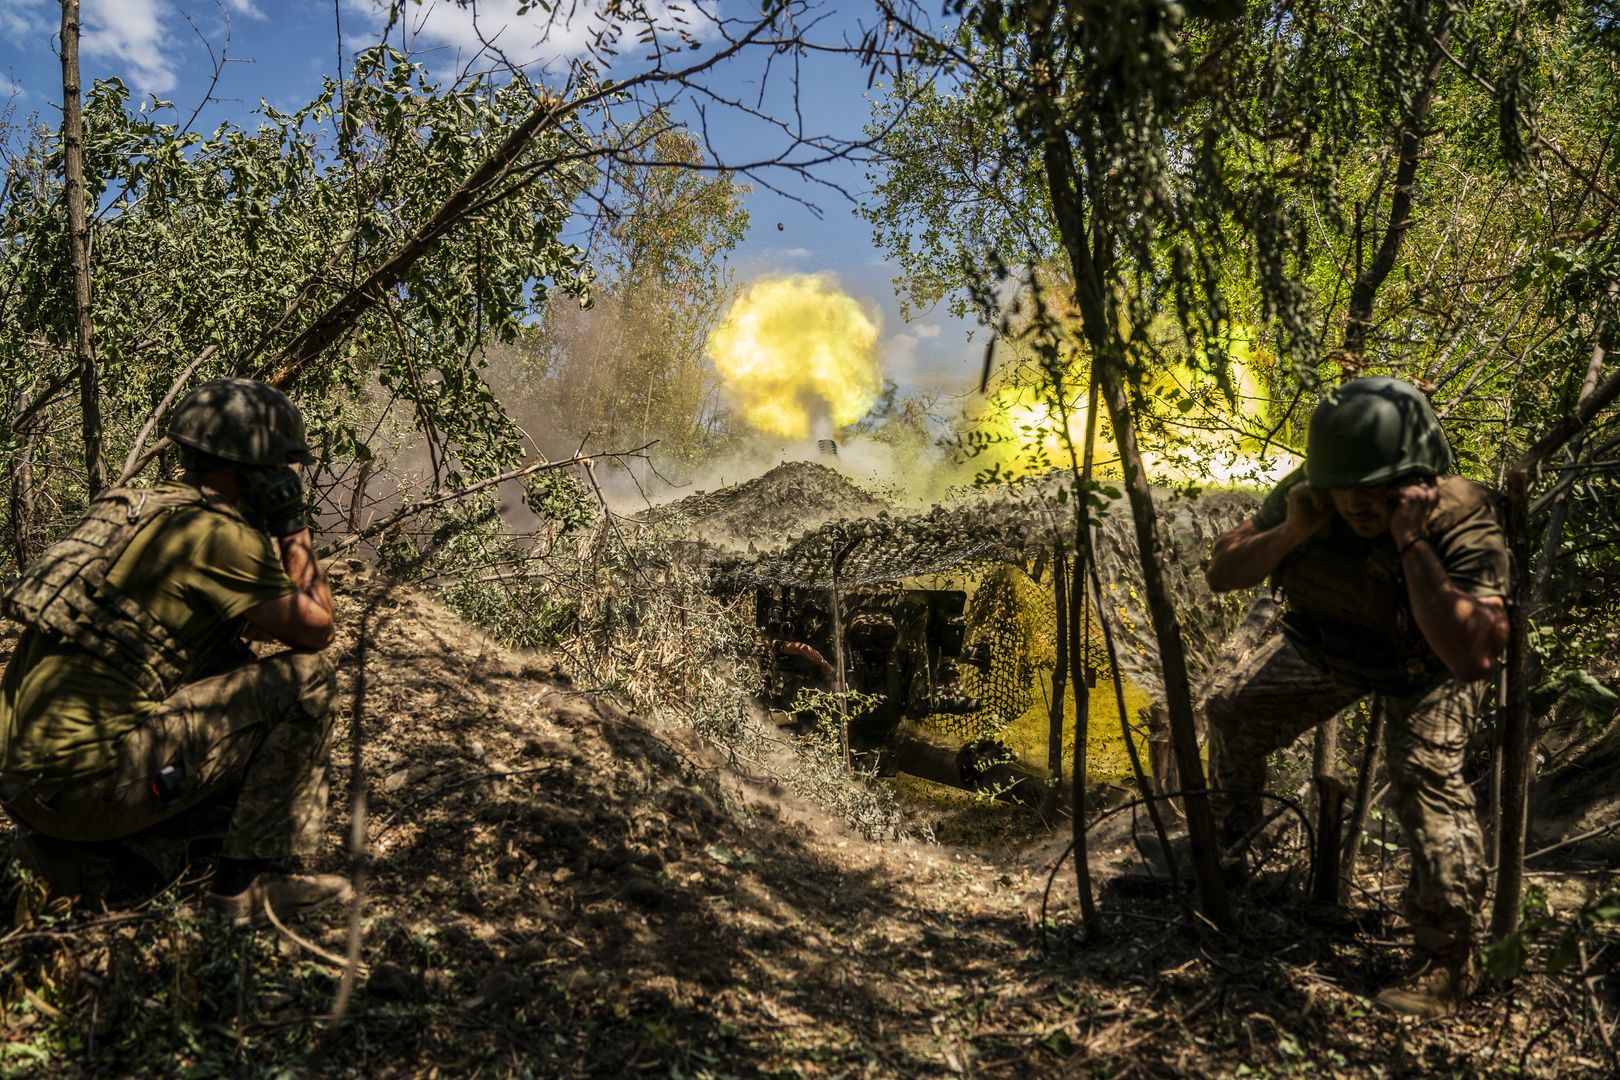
column 195, row 570
column 1347, row 603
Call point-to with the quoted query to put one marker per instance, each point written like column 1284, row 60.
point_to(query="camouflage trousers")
column 257, row 737
column 1270, row 695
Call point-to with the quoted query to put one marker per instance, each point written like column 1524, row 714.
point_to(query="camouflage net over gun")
column 997, row 538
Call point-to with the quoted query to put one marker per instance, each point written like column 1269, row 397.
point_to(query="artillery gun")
column 945, row 614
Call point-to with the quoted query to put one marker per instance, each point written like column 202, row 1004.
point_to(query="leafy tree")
column 629, row 368
column 1349, row 187
column 202, row 243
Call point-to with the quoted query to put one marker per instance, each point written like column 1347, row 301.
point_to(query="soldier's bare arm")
column 302, row 619
column 1248, row 554
column 1466, row 632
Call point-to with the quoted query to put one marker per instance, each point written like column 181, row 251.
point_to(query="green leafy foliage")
column 207, row 242
column 1568, row 680
column 1508, row 958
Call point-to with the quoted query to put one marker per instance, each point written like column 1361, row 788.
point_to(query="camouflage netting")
column 996, row 537
column 1010, row 622
column 1188, row 526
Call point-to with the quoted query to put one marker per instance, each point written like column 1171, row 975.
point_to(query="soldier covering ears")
column 1393, row 573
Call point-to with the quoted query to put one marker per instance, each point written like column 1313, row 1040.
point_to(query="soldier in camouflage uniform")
column 1393, row 572
column 131, row 698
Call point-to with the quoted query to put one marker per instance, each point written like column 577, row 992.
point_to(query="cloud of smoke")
column 796, row 355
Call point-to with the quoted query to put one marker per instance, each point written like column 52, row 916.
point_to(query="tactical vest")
column 1348, row 609
column 65, row 594
column 1348, row 612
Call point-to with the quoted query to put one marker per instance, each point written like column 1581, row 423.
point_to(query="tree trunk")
column 1325, row 752
column 21, row 468
column 95, row 465
column 1060, row 674
column 1161, row 751
column 1089, row 247
column 1078, row 616
column 835, row 600
column 1153, row 805
column 1517, row 742
column 1512, row 815
column 1359, row 315
column 357, row 500
column 1079, row 622
column 1358, row 814
column 1330, row 794
column 1167, row 630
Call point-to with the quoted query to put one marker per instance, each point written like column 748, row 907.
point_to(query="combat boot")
column 1437, row 986
column 287, row 894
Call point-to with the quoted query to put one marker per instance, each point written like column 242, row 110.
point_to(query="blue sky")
column 279, row 50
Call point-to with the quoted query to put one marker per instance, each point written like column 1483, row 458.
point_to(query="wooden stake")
column 95, row 465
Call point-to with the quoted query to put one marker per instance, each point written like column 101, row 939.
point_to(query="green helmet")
column 1374, row 431
column 242, row 421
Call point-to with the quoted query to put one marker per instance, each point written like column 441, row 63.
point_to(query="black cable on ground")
column 1286, row 804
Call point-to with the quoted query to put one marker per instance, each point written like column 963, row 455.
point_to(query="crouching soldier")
column 1393, row 574
column 131, row 698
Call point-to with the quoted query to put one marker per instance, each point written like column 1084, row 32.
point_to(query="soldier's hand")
column 273, row 499
column 1308, row 509
column 1410, row 505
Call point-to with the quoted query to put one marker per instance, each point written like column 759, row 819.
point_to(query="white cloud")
column 536, row 37
column 926, row 330
column 26, row 17
column 132, row 31
column 247, row 9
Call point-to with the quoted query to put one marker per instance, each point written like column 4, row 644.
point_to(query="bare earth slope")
column 617, row 903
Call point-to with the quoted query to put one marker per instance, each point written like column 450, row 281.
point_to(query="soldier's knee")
column 1419, row 794
column 1218, row 708
column 311, row 679
column 1417, row 766
column 318, row 677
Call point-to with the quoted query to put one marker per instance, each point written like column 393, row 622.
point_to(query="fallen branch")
column 1590, row 983
column 1570, row 841
column 330, row 957
column 551, row 111
column 136, row 460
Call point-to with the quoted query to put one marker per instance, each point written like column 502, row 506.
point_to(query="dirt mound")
column 554, row 888
column 765, row 512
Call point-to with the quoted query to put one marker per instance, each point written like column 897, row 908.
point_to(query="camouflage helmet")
column 243, row 421
column 1374, row 431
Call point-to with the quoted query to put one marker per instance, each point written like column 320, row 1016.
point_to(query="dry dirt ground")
column 554, row 889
